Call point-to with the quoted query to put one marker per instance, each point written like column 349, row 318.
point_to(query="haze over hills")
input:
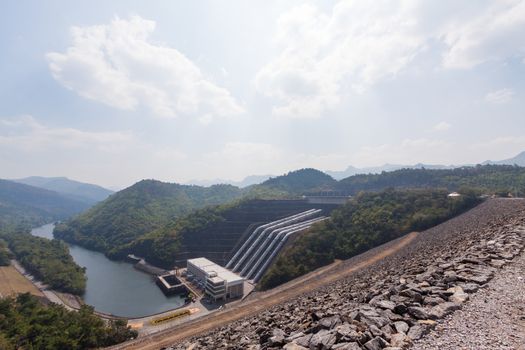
column 247, row 181
column 517, row 160
column 80, row 191
column 29, row 205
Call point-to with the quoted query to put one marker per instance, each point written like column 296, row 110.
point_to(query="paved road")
column 304, row 284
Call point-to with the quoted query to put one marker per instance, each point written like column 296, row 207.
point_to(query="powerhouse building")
column 218, row 282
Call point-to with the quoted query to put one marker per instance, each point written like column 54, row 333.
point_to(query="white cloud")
column 118, row 65
column 493, row 34
column 442, row 126
column 357, row 42
column 500, row 96
column 26, row 134
column 361, row 43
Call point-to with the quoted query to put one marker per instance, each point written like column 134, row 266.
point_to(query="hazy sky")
column 112, row 92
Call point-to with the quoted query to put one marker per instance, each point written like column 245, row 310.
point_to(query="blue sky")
column 113, row 92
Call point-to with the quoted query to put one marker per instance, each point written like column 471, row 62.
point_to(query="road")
column 263, row 301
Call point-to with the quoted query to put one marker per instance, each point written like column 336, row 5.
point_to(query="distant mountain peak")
column 80, row 191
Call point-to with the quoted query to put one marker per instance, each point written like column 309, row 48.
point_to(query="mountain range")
column 26, row 205
column 79, row 191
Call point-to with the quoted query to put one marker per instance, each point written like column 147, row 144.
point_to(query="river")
column 115, row 287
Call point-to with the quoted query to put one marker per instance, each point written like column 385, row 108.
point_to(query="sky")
column 115, row 92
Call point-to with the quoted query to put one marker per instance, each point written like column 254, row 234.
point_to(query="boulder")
column 400, row 340
column 293, row 346
column 416, row 332
column 419, row 313
column 330, row 322
column 443, row 309
column 377, row 343
column 346, row 346
column 458, row 296
column 324, row 339
column 401, row 327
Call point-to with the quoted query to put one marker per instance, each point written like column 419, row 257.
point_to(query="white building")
column 219, row 282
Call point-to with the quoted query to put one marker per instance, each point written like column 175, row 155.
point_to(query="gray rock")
column 401, row 327
column 458, row 296
column 428, row 300
column 330, row 322
column 377, row 343
column 324, row 339
column 304, row 340
column 400, row 340
column 346, row 346
column 383, row 304
column 418, row 312
column 293, row 346
column 349, row 333
column 416, row 332
column 441, row 310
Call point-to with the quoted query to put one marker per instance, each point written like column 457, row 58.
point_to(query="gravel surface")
column 494, row 318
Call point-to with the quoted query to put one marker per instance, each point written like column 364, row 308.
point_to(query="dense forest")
column 299, row 181
column 368, row 220
column 25, row 323
column 48, row 260
column 490, row 179
column 142, row 208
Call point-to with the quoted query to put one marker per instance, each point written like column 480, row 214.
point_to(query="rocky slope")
column 394, row 302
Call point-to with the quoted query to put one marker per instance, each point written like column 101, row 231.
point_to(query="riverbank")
column 116, row 289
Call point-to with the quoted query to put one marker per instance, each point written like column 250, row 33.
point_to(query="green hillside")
column 28, row 206
column 299, row 181
column 137, row 210
column 487, row 178
column 367, row 221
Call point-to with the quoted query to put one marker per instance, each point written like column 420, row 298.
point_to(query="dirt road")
column 263, row 301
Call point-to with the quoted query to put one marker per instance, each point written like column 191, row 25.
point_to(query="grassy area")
column 12, row 282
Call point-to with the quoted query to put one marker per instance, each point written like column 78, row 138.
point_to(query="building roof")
column 212, row 269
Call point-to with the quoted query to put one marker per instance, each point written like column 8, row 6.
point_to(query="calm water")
column 116, row 287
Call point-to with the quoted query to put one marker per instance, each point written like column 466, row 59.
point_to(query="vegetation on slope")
column 300, row 181
column 27, row 324
column 368, row 220
column 500, row 179
column 23, row 205
column 150, row 217
column 4, row 255
column 142, row 208
column 48, row 260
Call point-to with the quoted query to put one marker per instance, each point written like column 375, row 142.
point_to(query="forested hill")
column 139, row 209
column 29, row 206
column 80, row 191
column 489, row 179
column 300, row 181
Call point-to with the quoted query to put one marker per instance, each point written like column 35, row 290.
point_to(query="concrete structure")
column 170, row 284
column 265, row 242
column 336, row 200
column 219, row 283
